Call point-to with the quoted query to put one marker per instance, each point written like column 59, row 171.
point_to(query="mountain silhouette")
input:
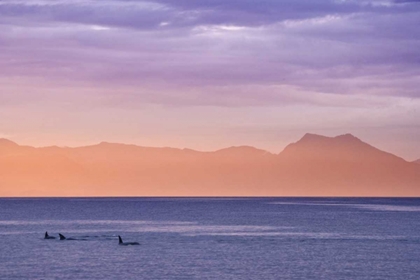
column 313, row 166
column 7, row 143
column 345, row 165
column 342, row 148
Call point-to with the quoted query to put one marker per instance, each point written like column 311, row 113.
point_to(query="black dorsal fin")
column 62, row 237
column 120, row 239
column 46, row 234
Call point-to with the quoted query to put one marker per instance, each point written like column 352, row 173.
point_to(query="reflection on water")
column 374, row 207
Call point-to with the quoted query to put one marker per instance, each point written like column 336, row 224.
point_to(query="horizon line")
column 200, row 197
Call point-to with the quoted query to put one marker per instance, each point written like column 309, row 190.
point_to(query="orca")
column 62, row 237
column 47, row 236
column 126, row 243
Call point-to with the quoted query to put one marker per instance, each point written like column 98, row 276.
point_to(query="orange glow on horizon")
column 313, row 166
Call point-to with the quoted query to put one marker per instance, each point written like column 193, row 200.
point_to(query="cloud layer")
column 339, row 47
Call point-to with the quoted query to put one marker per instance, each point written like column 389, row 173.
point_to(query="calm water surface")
column 203, row 238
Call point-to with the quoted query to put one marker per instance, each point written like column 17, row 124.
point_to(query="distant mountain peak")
column 111, row 144
column 347, row 137
column 242, row 150
column 312, row 137
column 248, row 148
column 314, row 140
column 316, row 137
column 7, row 142
column 341, row 147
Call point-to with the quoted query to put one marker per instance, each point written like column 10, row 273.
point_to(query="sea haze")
column 315, row 165
column 211, row 238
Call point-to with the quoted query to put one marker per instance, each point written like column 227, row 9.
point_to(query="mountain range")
column 313, row 166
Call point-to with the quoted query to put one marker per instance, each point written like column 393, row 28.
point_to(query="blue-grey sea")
column 210, row 238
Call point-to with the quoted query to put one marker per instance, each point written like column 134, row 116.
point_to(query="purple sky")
column 211, row 73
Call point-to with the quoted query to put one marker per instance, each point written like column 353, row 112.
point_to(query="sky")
column 210, row 74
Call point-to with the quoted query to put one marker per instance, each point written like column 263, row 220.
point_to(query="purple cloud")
column 191, row 48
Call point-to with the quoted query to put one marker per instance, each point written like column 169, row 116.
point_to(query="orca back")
column 47, row 236
column 121, row 242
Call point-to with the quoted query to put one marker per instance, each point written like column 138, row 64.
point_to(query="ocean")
column 210, row 238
